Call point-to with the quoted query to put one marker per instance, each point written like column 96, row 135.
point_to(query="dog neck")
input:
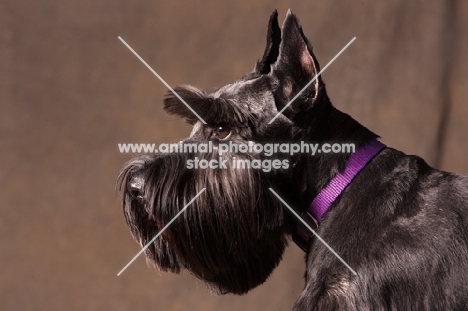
column 337, row 184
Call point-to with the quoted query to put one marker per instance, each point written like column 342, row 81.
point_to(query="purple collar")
column 356, row 162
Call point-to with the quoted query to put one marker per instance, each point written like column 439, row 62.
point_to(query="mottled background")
column 70, row 91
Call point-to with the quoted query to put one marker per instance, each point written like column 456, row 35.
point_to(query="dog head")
column 233, row 235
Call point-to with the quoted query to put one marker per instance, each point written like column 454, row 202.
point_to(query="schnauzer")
column 401, row 225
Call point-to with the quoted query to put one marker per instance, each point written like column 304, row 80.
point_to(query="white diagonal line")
column 311, row 81
column 311, row 230
column 162, row 80
column 160, row 232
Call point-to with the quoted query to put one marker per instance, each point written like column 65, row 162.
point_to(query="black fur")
column 401, row 225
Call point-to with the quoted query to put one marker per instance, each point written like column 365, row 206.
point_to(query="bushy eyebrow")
column 214, row 110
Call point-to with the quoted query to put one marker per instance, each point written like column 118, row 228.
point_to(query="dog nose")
column 135, row 187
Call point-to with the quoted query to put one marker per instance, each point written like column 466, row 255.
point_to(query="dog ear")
column 272, row 45
column 213, row 110
column 297, row 66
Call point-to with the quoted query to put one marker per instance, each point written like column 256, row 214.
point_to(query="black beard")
column 232, row 236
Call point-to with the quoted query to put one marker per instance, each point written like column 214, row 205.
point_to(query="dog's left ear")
column 296, row 66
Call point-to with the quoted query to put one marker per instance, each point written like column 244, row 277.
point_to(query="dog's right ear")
column 272, row 45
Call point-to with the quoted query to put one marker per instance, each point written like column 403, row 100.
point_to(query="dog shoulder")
column 333, row 293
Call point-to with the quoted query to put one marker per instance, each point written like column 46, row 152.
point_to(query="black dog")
column 401, row 225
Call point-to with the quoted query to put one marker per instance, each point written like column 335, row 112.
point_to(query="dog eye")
column 222, row 132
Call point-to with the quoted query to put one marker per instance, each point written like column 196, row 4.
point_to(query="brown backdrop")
column 70, row 91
